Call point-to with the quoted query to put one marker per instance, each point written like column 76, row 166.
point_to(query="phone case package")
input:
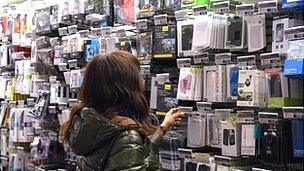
column 251, row 88
column 197, row 130
column 235, row 33
column 256, row 30
column 277, row 88
column 186, row 84
column 231, row 139
column 184, row 37
column 215, row 83
column 232, row 73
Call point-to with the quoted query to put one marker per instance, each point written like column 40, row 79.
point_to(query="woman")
column 111, row 127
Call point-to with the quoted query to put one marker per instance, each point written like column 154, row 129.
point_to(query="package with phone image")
column 185, row 37
column 76, row 78
column 92, row 48
column 215, row 83
column 231, row 138
column 277, row 88
column 256, row 31
column 164, row 44
column 214, row 126
column 232, row 74
column 186, row 84
column 251, row 88
column 246, row 118
column 235, row 33
column 296, row 92
column 279, row 42
column 166, row 94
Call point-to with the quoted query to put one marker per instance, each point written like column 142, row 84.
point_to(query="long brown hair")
column 112, row 86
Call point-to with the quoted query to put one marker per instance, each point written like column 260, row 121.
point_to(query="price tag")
column 201, row 58
column 183, row 63
column 245, row 9
column 168, row 87
column 200, row 10
column 165, row 28
column 221, row 7
column 267, row 6
column 161, row 19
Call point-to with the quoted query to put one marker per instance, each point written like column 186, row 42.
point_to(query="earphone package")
column 232, row 74
column 186, row 84
column 185, row 37
column 251, row 88
column 231, row 139
column 256, row 31
column 214, row 83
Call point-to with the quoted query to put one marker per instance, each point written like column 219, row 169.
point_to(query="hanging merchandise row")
column 234, row 68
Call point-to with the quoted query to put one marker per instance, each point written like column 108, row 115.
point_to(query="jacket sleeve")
column 127, row 153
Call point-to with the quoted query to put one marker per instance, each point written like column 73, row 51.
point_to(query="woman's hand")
column 174, row 116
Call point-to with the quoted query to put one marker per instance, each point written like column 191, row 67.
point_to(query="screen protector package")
column 202, row 26
column 185, row 37
column 164, row 44
column 277, row 88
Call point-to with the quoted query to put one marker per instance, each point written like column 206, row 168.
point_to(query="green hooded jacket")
column 92, row 133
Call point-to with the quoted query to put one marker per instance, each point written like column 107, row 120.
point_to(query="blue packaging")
column 294, row 67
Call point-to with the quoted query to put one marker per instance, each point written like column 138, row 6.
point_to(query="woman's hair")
column 112, row 86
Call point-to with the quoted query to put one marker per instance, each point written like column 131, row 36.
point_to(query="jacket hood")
column 91, row 130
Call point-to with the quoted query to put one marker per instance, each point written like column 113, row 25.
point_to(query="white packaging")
column 279, row 42
column 215, row 83
column 251, row 88
column 256, row 31
column 248, row 141
column 231, row 139
column 198, row 93
column 196, row 130
column 28, row 130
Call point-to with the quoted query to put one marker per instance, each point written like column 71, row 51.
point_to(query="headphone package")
column 232, row 74
column 251, row 88
column 185, row 37
column 164, row 44
column 231, row 139
column 215, row 83
column 235, row 33
column 256, row 31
